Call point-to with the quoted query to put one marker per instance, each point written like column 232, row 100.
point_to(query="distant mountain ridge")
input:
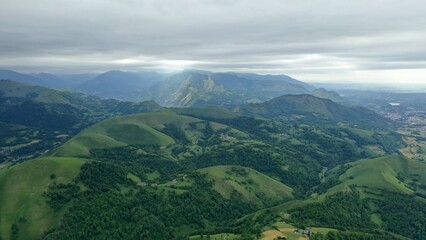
column 19, row 77
column 59, row 81
column 195, row 88
column 182, row 89
column 131, row 86
column 275, row 77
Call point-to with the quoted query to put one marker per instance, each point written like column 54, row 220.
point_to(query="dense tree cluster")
column 60, row 194
column 176, row 133
column 349, row 235
column 102, row 176
column 404, row 214
column 104, row 211
column 344, row 209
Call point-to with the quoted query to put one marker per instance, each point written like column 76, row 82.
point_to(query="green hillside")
column 23, row 90
column 252, row 185
column 121, row 131
column 35, row 119
column 314, row 110
column 389, row 173
column 146, row 129
column 21, row 200
column 387, row 193
column 158, row 120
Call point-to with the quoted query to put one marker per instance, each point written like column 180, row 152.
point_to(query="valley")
column 295, row 166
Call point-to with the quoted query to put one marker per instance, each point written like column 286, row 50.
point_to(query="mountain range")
column 181, row 89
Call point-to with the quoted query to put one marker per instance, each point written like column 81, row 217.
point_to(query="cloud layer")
column 321, row 40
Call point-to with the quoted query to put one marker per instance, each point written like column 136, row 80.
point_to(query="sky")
column 358, row 41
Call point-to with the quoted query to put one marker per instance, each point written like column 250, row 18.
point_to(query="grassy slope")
column 21, row 194
column 116, row 132
column 138, row 129
column 262, row 189
column 381, row 173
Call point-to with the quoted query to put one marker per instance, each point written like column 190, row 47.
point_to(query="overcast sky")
column 380, row 41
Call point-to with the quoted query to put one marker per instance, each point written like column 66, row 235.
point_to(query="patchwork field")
column 290, row 232
column 415, row 149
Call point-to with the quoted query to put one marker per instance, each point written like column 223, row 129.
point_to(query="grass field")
column 253, row 186
column 21, row 200
column 287, row 230
column 414, row 149
column 134, row 178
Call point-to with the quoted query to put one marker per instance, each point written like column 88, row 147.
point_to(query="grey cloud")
column 269, row 36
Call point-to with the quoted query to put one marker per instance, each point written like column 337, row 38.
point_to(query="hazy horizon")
column 330, row 85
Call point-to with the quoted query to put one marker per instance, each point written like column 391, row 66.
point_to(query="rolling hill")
column 311, row 109
column 20, row 92
column 34, row 119
column 180, row 172
column 184, row 175
column 389, row 173
column 118, row 132
column 145, row 129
